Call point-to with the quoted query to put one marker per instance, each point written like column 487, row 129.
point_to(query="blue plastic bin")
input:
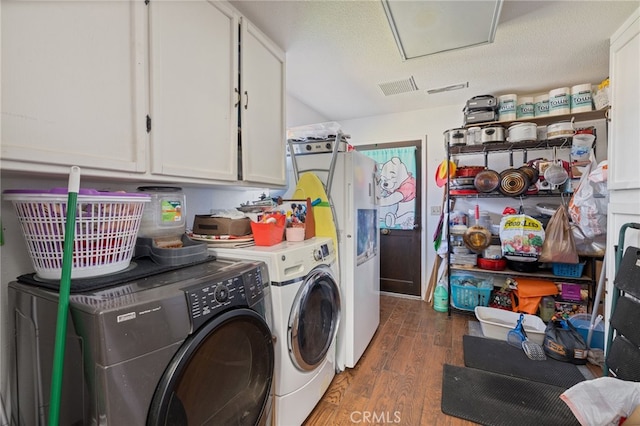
column 581, row 323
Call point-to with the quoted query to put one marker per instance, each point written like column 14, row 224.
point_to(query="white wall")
column 300, row 114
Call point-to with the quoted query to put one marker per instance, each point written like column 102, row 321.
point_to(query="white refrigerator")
column 353, row 194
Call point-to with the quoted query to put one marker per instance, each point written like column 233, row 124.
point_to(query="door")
column 399, row 186
column 262, row 114
column 194, row 71
column 223, row 375
column 314, row 318
column 73, row 84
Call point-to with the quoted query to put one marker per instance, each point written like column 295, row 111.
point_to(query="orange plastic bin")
column 269, row 233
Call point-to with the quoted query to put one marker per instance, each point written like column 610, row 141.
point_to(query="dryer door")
column 222, row 375
column 314, row 318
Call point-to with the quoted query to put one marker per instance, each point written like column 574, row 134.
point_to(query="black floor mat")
column 498, row 356
column 498, row 400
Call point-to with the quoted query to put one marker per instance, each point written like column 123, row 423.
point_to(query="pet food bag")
column 521, row 237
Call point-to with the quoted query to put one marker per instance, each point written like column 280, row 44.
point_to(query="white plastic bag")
column 603, row 401
column 588, row 205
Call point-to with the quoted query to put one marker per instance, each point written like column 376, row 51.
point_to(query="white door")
column 73, row 84
column 262, row 109
column 194, row 71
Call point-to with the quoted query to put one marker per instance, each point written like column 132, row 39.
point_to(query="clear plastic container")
column 165, row 216
column 547, row 308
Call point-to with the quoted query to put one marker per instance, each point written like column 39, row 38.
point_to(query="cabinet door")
column 262, row 109
column 73, row 84
column 194, row 63
column 624, row 150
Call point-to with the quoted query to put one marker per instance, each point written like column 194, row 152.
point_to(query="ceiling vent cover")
column 399, row 86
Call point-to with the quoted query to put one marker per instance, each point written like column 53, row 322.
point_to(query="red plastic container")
column 492, row 264
column 269, row 233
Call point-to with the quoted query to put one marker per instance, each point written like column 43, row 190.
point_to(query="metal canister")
column 455, row 137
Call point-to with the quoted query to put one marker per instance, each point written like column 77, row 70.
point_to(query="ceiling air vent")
column 397, row 87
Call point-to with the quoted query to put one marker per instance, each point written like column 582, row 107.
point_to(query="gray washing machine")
column 192, row 346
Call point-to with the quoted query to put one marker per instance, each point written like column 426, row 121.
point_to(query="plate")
column 221, row 239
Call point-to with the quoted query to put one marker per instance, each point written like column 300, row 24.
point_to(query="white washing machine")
column 306, row 308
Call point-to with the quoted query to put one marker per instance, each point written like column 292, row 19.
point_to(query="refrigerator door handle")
column 349, row 197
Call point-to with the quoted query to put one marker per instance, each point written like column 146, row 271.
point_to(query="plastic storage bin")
column 496, row 323
column 582, row 322
column 568, row 269
column 268, row 233
column 165, row 216
column 468, row 297
column 106, row 228
column 470, row 290
column 190, row 252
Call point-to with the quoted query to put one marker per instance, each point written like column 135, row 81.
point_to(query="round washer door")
column 314, row 318
column 222, row 374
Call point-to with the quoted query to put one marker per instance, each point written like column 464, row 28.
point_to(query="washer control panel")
column 321, row 252
column 213, row 297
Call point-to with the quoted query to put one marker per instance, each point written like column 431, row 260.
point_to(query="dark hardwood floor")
column 398, row 380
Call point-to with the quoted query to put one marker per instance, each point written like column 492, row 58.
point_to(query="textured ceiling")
column 338, row 52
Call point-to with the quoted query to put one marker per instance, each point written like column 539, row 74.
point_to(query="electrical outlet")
column 436, row 210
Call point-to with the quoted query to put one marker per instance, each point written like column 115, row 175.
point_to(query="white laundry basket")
column 107, row 225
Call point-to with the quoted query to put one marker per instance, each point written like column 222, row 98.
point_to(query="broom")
column 63, row 301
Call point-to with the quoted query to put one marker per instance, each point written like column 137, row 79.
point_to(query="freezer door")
column 357, row 216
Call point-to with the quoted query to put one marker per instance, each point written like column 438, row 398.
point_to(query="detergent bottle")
column 441, row 296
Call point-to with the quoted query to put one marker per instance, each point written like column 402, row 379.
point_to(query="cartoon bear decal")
column 398, row 192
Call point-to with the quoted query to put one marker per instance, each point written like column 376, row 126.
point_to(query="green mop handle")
column 63, row 301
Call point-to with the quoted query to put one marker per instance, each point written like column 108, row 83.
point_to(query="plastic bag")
column 588, row 205
column 559, row 245
column 563, row 342
column 589, row 246
column 528, row 293
column 602, row 401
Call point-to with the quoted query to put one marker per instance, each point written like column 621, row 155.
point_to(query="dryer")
column 306, row 302
column 189, row 346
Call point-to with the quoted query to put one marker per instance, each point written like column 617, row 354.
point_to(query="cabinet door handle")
column 237, row 97
column 246, row 95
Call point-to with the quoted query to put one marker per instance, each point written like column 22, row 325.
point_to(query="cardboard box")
column 208, row 225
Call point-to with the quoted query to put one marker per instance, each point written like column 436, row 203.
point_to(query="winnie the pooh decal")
column 397, row 194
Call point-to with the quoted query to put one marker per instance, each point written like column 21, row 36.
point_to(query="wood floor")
column 398, row 379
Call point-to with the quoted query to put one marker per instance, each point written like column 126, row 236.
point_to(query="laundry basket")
column 107, row 224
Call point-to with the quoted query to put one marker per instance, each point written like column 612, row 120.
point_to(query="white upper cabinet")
column 194, row 75
column 624, row 149
column 134, row 90
column 74, row 84
column 262, row 115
